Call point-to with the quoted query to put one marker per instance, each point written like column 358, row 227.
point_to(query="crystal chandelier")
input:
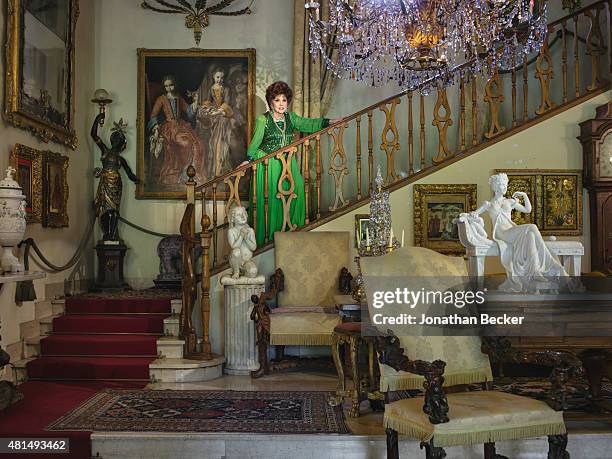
column 424, row 42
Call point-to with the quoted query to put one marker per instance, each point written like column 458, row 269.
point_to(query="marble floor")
column 592, row 440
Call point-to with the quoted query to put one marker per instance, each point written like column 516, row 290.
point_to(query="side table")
column 365, row 384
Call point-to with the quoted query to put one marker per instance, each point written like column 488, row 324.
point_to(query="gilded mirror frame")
column 15, row 110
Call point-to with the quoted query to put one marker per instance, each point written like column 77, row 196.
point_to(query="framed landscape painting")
column 435, row 208
column 195, row 108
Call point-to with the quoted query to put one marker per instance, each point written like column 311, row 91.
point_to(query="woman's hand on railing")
column 243, row 163
column 335, row 120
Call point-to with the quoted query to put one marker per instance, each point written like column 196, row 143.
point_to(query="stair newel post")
column 187, row 229
column 576, row 60
column 214, row 223
column 205, row 301
column 422, row 129
column 462, row 112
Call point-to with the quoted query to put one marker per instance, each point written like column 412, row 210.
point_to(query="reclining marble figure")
column 527, row 258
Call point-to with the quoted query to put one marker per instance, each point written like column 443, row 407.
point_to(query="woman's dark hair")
column 276, row 89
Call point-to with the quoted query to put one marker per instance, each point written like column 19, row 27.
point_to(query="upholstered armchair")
column 434, row 363
column 308, row 266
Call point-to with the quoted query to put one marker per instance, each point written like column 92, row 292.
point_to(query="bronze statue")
column 108, row 196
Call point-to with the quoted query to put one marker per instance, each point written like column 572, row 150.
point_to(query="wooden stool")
column 364, row 386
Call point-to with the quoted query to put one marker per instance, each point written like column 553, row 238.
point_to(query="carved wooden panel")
column 286, row 195
column 338, row 164
column 494, row 96
column 390, row 146
column 544, row 73
column 442, row 122
column 595, row 46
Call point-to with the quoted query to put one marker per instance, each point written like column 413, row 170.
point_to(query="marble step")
column 171, row 325
column 43, row 308
column 176, row 305
column 186, row 370
column 170, row 347
column 59, row 306
column 31, row 347
column 20, row 372
column 46, row 325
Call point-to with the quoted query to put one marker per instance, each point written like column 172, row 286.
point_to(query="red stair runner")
column 102, row 339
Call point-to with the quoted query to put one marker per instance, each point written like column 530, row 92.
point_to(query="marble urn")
column 12, row 221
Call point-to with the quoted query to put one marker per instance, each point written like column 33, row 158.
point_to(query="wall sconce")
column 101, row 98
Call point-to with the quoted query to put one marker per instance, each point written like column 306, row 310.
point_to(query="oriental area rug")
column 205, row 411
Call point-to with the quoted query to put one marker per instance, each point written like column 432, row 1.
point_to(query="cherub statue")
column 108, row 195
column 241, row 239
column 524, row 254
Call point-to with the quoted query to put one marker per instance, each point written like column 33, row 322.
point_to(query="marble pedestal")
column 240, row 350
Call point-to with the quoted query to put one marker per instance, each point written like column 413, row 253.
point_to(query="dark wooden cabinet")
column 596, row 139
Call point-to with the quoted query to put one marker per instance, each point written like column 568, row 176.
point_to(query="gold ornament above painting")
column 39, row 83
column 197, row 16
column 556, row 197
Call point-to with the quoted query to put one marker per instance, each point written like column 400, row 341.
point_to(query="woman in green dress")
column 274, row 130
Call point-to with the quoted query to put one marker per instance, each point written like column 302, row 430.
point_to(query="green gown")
column 267, row 138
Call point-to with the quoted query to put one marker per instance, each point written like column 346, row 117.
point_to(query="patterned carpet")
column 144, row 293
column 205, row 411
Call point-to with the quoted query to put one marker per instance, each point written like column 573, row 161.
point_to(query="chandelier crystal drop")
column 425, row 43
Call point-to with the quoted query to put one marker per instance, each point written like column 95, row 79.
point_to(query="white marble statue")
column 241, row 238
column 528, row 262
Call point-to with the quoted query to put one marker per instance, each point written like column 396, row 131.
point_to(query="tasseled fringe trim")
column 404, row 427
column 301, row 339
column 391, row 383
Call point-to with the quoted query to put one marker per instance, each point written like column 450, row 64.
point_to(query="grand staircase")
column 112, row 340
column 411, row 135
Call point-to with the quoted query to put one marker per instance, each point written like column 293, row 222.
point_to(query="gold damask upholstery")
column 311, row 262
column 476, row 417
column 439, row 419
column 465, row 364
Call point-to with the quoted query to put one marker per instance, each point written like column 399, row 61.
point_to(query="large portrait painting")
column 556, row 198
column 195, row 108
column 28, row 163
column 435, row 208
column 39, row 84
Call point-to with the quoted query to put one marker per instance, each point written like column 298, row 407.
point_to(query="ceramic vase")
column 12, row 221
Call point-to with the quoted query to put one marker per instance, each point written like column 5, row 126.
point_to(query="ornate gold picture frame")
column 556, row 198
column 195, row 107
column 435, row 207
column 55, row 190
column 28, row 163
column 39, row 79
column 361, row 223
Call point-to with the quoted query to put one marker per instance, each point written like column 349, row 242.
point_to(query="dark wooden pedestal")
column 110, row 267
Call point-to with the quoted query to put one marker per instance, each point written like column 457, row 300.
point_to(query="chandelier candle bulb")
column 391, row 238
column 402, row 238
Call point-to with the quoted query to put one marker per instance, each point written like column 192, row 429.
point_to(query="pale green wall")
column 58, row 245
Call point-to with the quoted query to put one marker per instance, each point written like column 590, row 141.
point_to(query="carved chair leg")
column 262, row 352
column 280, row 353
column 489, row 452
column 356, row 393
column 556, row 447
column 337, row 343
column 392, row 444
column 431, row 451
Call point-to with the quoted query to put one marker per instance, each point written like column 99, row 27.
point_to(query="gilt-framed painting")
column 195, row 107
column 556, row 199
column 361, row 223
column 435, row 208
column 40, row 67
column 55, row 190
column 28, row 164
